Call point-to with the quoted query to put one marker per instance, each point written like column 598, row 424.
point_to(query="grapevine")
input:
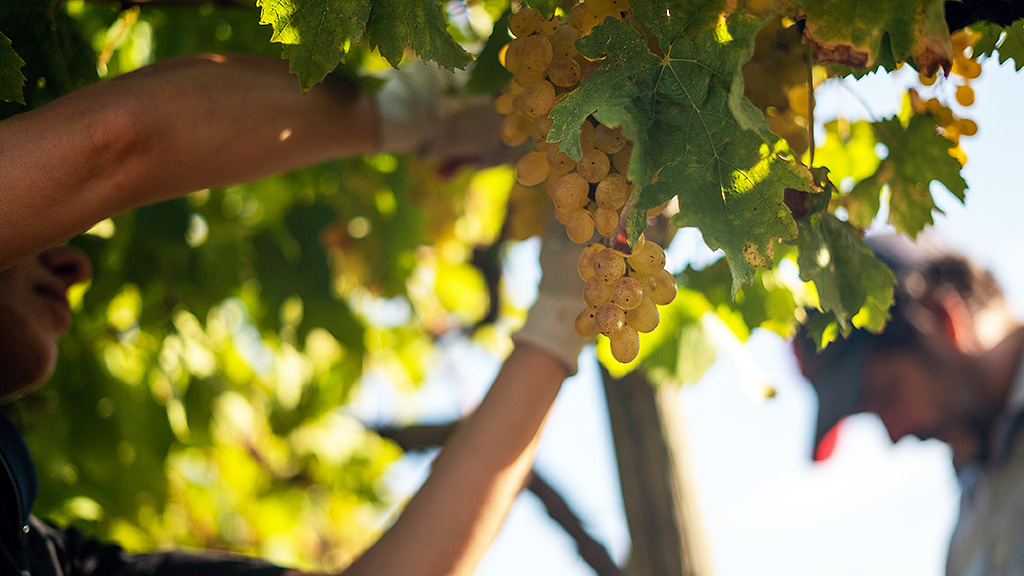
column 623, row 289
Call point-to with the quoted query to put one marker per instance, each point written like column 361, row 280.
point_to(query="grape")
column 608, row 140
column 612, row 192
column 620, row 160
column 526, row 78
column 570, row 192
column 504, row 104
column 593, row 166
column 605, row 221
column 586, row 326
column 515, row 129
column 643, row 318
column 609, row 266
column 625, row 344
column 560, row 162
column 564, row 72
column 596, row 293
column 510, row 56
column 585, row 264
column 562, row 215
column 524, row 22
column 627, row 292
column 648, row 259
column 582, row 19
column 966, row 67
column 579, row 225
column 537, row 99
column 965, row 95
column 532, row 169
column 664, row 287
column 600, row 6
column 548, row 27
column 609, row 317
column 966, row 126
column 563, row 43
column 586, row 136
column 535, row 55
column 540, row 133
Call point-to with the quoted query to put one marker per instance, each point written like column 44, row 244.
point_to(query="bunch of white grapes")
column 623, row 290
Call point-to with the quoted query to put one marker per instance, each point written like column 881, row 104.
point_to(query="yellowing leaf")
column 852, row 32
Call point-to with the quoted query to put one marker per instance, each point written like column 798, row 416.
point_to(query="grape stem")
column 810, row 105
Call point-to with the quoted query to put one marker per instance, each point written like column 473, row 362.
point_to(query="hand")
column 422, row 108
column 551, row 324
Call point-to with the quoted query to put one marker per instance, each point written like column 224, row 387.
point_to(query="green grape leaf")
column 316, row 34
column 845, row 272
column 1008, row 41
column 855, row 33
column 917, row 156
column 848, row 151
column 12, row 81
column 694, row 134
column 396, row 24
column 488, row 75
column 863, row 202
column 545, row 7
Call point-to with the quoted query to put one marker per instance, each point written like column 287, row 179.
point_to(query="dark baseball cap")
column 836, row 371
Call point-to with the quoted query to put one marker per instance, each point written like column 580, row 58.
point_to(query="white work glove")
column 422, row 109
column 551, row 323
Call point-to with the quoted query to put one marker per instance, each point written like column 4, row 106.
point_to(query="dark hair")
column 977, row 287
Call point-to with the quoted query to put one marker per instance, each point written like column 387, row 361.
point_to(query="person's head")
column 34, row 315
column 930, row 373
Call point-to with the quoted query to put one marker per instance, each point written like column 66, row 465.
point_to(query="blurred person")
column 207, row 121
column 949, row 365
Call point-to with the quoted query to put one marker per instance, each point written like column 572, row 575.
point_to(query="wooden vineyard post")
column 657, row 487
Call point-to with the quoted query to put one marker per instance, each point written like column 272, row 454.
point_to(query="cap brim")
column 835, row 373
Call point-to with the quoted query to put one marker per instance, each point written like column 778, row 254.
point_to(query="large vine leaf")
column 1008, row 42
column 917, row 156
column 855, row 33
column 395, row 24
column 11, row 79
column 694, row 134
column 316, row 34
column 847, row 275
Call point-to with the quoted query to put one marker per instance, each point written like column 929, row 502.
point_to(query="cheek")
column 912, row 410
column 28, row 353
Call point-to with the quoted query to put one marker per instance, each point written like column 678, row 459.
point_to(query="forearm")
column 449, row 524
column 161, row 132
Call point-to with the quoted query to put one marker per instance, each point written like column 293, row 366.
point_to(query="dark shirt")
column 31, row 547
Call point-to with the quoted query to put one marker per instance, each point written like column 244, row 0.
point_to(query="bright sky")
column 874, row 508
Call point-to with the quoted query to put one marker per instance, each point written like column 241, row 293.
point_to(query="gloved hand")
column 422, row 109
column 551, row 323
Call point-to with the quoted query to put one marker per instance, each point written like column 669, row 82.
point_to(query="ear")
column 954, row 319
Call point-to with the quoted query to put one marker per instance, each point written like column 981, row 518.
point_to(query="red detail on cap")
column 827, row 445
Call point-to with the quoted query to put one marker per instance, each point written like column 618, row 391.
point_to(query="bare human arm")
column 448, row 525
column 450, row 522
column 163, row 131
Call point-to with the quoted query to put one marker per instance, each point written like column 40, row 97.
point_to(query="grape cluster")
column 966, row 69
column 623, row 289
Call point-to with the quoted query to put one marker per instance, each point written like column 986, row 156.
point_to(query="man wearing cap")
column 950, row 366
